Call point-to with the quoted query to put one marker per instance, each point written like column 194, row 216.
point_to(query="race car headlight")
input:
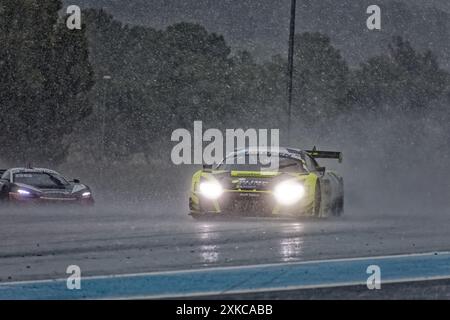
column 289, row 192
column 210, row 189
column 86, row 194
column 23, row 192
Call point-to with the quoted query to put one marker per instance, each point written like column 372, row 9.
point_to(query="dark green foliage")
column 402, row 81
column 159, row 81
column 320, row 79
column 44, row 84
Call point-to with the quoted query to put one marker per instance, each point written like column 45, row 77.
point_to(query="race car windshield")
column 286, row 164
column 40, row 179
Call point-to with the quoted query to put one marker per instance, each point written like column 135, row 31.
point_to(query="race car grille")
column 252, row 184
column 247, row 204
column 57, row 196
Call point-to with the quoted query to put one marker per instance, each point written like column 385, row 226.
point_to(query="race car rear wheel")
column 317, row 201
column 339, row 205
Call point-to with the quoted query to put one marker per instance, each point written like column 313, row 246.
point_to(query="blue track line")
column 238, row 279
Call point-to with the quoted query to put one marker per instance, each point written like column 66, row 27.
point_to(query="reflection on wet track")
column 291, row 247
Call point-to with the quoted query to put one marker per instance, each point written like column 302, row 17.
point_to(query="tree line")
column 127, row 88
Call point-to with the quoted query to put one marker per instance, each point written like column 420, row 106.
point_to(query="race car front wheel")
column 3, row 196
column 338, row 207
column 196, row 216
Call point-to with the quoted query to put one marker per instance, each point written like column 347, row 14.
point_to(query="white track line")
column 274, row 289
column 257, row 266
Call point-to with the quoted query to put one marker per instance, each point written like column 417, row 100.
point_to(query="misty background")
column 100, row 104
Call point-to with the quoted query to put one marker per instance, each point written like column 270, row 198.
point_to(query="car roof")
column 32, row 170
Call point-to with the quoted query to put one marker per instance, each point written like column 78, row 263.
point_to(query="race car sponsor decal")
column 252, row 184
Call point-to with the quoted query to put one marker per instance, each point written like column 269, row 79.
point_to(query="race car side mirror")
column 207, row 167
column 76, row 181
column 321, row 170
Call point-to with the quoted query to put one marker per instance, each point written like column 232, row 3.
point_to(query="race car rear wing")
column 2, row 171
column 325, row 154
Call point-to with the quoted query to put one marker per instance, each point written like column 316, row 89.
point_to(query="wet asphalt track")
column 160, row 237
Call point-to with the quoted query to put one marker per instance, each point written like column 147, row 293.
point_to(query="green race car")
column 300, row 187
